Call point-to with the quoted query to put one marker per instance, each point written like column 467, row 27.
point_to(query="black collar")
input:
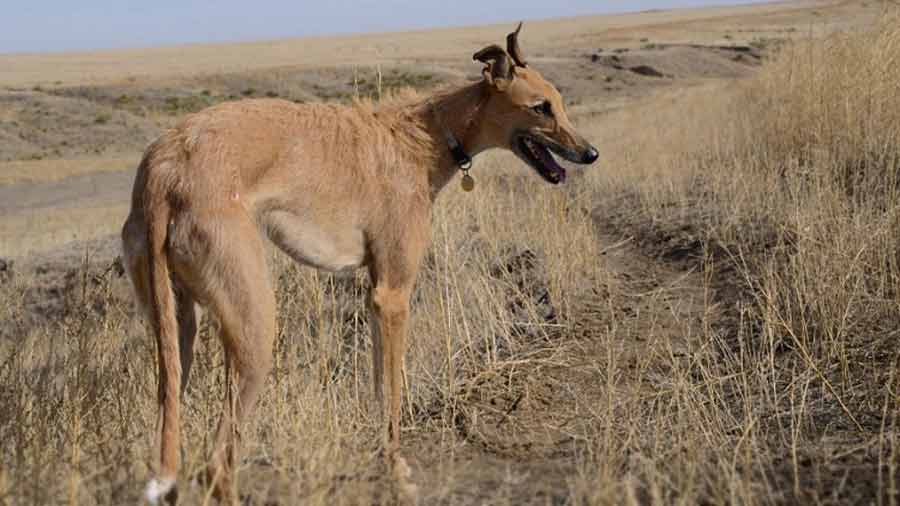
column 462, row 159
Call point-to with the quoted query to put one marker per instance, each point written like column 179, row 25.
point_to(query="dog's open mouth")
column 538, row 155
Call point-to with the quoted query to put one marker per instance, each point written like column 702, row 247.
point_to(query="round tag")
column 468, row 184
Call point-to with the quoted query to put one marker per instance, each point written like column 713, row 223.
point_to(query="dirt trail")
column 526, row 445
column 48, row 221
column 99, row 188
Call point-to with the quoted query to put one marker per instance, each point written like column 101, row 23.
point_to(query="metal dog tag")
column 468, row 184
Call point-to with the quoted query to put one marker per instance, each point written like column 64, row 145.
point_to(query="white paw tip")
column 156, row 489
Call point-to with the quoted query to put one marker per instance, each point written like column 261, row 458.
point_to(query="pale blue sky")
column 60, row 25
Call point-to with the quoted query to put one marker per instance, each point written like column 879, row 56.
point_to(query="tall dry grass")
column 751, row 359
column 504, row 285
column 784, row 189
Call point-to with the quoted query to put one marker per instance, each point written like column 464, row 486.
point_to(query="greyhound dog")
column 336, row 187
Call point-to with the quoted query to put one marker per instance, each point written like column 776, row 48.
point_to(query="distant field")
column 709, row 25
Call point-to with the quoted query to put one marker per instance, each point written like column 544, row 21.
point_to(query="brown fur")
column 336, row 187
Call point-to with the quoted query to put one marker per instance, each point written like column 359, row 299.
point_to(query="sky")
column 71, row 25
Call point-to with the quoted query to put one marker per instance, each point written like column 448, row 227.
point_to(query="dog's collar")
column 462, row 159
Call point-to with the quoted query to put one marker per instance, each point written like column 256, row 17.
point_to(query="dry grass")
column 500, row 294
column 785, row 186
column 550, row 364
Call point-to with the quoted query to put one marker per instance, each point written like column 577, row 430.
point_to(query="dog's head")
column 525, row 113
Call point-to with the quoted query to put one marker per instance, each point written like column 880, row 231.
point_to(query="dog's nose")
column 590, row 156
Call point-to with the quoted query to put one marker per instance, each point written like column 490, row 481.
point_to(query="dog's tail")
column 154, row 198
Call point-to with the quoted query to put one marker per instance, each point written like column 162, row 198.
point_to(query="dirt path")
column 99, row 188
column 46, row 219
column 526, row 445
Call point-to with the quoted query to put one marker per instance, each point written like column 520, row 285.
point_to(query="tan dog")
column 335, row 187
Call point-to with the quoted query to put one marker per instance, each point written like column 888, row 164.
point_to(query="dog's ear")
column 498, row 71
column 512, row 47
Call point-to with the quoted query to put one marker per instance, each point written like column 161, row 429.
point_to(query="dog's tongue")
column 550, row 163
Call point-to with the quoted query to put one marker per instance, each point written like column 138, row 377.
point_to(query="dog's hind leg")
column 225, row 264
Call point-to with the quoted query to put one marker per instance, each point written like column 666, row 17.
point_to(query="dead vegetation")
column 494, row 315
column 785, row 189
column 708, row 318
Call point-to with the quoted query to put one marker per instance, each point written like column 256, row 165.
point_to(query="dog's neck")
column 457, row 112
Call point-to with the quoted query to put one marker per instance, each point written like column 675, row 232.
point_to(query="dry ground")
column 707, row 317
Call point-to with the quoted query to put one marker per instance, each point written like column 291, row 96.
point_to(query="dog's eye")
column 544, row 109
